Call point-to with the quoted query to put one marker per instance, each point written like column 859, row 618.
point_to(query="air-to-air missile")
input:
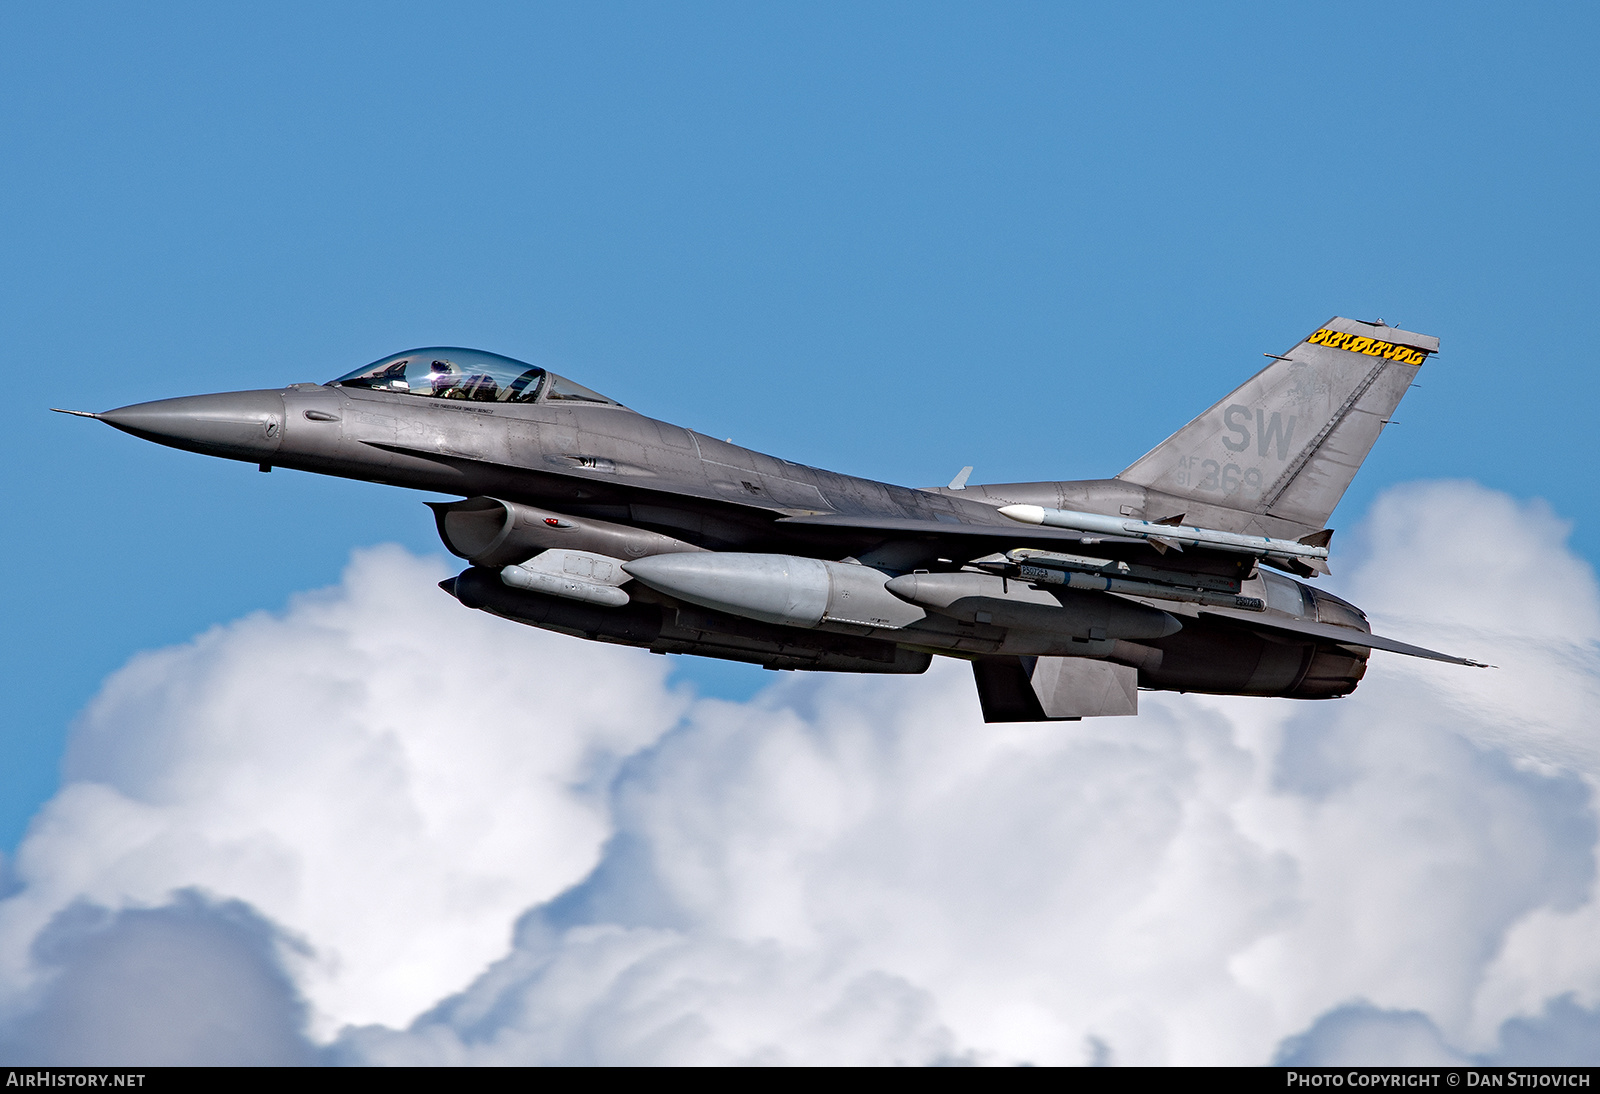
column 1312, row 549
column 581, row 516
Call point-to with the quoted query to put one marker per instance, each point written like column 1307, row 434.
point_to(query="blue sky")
column 888, row 239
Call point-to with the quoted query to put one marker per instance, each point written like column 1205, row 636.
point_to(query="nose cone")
column 246, row 425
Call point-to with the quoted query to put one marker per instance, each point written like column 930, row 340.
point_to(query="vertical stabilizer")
column 1288, row 442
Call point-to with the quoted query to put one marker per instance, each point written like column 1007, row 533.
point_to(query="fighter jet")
column 582, row 516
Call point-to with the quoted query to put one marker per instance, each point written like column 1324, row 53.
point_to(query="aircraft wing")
column 967, row 540
column 913, row 526
column 1330, row 633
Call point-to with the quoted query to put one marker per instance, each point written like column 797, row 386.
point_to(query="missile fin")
column 1300, row 567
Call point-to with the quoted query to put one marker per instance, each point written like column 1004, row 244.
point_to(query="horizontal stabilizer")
column 1345, row 636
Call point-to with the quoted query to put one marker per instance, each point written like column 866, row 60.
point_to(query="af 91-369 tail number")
column 1201, row 474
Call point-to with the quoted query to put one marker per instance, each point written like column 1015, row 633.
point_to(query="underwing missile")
column 1172, row 535
column 1099, row 583
column 986, row 598
column 1104, row 575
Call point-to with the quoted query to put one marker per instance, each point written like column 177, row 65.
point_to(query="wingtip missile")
column 1164, row 536
column 1024, row 514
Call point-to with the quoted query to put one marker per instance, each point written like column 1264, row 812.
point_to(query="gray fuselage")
column 608, row 467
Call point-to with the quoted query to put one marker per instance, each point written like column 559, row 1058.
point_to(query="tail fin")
column 1287, row 443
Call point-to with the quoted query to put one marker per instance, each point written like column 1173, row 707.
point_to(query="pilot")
column 442, row 375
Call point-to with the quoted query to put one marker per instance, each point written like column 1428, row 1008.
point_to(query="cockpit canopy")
column 449, row 372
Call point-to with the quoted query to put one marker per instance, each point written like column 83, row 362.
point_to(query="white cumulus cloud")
column 455, row 840
column 383, row 775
